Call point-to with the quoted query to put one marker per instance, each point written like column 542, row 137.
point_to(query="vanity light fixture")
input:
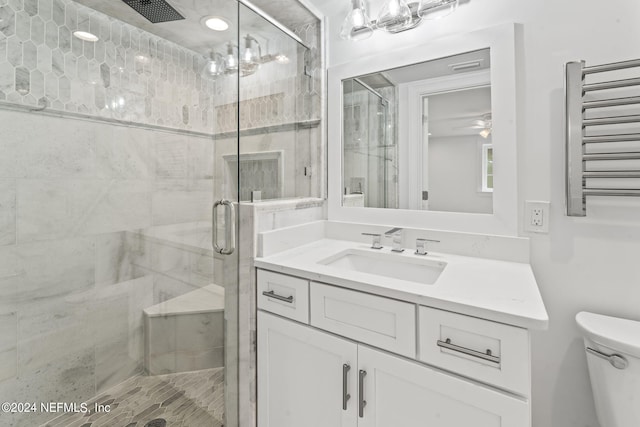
column 246, row 60
column 215, row 65
column 251, row 56
column 86, row 36
column 215, row 23
column 394, row 17
column 357, row 25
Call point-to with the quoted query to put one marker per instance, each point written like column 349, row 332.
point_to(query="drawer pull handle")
column 362, row 403
column 272, row 294
column 345, row 393
column 484, row 356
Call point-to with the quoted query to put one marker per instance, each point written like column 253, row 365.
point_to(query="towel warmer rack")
column 580, row 99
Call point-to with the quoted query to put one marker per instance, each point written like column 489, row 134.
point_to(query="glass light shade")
column 231, row 62
column 394, row 16
column 357, row 25
column 251, row 56
column 436, row 9
column 214, row 66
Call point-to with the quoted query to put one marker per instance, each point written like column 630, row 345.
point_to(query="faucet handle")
column 421, row 245
column 375, row 242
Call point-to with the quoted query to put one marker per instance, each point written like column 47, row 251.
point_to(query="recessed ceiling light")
column 215, row 23
column 88, row 37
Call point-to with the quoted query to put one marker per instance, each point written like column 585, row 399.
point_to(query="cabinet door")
column 300, row 376
column 401, row 393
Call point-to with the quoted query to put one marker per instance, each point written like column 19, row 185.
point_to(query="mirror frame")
column 501, row 41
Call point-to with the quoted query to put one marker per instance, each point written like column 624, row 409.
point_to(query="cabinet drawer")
column 490, row 352
column 284, row 295
column 378, row 321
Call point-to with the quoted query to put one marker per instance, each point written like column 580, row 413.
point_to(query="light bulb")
column 485, row 133
column 356, row 26
column 394, row 16
column 231, row 61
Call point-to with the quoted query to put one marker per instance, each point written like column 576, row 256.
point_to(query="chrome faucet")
column 375, row 241
column 421, row 246
column 396, row 234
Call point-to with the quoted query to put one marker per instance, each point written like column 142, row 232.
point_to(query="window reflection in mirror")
column 419, row 137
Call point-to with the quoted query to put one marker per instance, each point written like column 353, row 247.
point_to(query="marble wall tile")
column 61, row 208
column 119, row 257
column 123, row 152
column 117, row 62
column 7, row 212
column 170, row 152
column 185, row 342
column 176, row 201
column 166, row 287
column 45, row 147
column 198, row 332
column 118, row 330
column 54, row 329
column 8, row 346
column 43, row 271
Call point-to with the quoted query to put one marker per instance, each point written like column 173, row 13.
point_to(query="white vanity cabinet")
column 310, row 377
column 300, row 376
column 402, row 393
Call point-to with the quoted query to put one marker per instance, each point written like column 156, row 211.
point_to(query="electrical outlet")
column 536, row 216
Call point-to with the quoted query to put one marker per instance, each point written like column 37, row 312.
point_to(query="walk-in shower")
column 118, row 132
column 370, row 149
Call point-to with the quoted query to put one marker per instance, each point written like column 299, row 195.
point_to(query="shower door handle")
column 229, row 227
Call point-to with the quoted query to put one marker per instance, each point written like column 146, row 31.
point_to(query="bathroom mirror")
column 437, row 115
column 426, row 136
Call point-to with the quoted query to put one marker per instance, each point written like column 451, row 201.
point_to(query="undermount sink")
column 403, row 267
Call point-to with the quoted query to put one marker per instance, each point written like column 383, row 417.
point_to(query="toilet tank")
column 616, row 389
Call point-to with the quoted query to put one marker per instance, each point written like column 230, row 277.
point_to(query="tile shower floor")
column 191, row 399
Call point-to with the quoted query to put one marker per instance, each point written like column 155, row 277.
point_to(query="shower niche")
column 261, row 171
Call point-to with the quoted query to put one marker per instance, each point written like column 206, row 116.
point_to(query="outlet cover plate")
column 536, row 216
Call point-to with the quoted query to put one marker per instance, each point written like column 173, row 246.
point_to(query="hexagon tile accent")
column 128, row 74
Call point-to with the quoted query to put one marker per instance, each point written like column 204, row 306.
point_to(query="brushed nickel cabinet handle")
column 345, row 392
column 272, row 294
column 484, row 356
column 361, row 403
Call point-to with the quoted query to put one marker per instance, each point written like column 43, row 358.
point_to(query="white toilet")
column 613, row 354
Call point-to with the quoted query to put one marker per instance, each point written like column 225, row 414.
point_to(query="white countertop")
column 501, row 291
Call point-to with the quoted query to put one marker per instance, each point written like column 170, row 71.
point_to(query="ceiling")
column 455, row 113
column 440, row 67
column 192, row 34
column 451, row 113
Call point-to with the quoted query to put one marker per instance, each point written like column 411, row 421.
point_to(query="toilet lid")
column 619, row 334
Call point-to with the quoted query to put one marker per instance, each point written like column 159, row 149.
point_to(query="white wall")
column 584, row 263
column 457, row 189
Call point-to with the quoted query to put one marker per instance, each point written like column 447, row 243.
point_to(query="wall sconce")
column 394, row 17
